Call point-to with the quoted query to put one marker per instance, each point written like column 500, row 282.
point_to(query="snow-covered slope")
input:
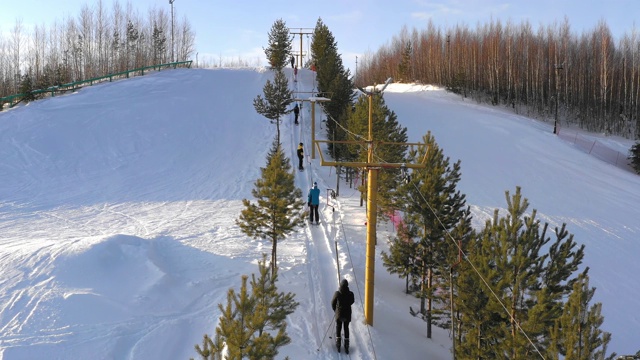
column 118, row 207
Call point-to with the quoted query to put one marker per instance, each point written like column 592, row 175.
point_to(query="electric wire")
column 484, row 281
column 304, row 136
column 449, row 236
column 348, row 249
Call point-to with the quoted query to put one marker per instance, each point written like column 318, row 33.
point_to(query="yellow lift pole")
column 372, row 195
column 313, row 100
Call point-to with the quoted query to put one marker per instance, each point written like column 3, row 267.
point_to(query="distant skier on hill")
column 293, row 60
column 314, row 201
column 341, row 305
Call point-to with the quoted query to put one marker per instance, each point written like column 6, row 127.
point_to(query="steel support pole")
column 372, row 187
column 372, row 194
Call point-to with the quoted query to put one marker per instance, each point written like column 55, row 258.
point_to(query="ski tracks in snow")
column 321, row 256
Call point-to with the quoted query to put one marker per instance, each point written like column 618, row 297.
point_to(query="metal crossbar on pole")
column 372, row 193
column 301, row 31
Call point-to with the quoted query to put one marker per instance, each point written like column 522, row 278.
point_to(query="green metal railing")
column 72, row 86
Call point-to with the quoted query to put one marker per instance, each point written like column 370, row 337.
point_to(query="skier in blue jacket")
column 314, row 201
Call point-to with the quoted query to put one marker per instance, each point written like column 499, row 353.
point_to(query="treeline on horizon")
column 98, row 42
column 589, row 80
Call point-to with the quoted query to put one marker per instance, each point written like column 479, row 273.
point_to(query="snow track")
column 320, row 241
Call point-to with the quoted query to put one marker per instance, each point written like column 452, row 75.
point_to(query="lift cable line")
column 372, row 193
column 372, row 207
column 486, row 283
column 475, row 269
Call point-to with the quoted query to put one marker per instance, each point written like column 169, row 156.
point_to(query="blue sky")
column 238, row 29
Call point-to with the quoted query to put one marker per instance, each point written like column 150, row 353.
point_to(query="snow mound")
column 121, row 269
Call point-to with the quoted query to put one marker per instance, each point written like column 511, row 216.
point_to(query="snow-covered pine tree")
column 278, row 209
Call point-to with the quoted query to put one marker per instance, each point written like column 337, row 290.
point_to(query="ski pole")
column 326, row 332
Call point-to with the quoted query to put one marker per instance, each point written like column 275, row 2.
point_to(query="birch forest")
column 97, row 42
column 590, row 80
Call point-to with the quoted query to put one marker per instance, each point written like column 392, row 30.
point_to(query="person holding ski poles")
column 341, row 305
column 314, row 201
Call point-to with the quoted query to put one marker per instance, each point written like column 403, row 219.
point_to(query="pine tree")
column 401, row 259
column 531, row 286
column 27, row 87
column 279, row 49
column 334, row 82
column 272, row 309
column 276, row 101
column 276, row 305
column 513, row 242
column 278, row 209
column 404, row 68
column 578, row 328
column 211, row 349
column 236, row 320
column 634, row 155
column 473, row 338
column 434, row 207
column 159, row 44
column 386, row 129
column 252, row 324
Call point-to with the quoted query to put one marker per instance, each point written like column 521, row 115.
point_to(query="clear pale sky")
column 238, row 29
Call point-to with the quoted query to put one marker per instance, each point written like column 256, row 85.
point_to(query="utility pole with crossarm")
column 372, row 194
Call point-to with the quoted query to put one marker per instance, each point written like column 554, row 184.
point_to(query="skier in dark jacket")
column 296, row 112
column 341, row 305
column 300, row 156
column 293, row 60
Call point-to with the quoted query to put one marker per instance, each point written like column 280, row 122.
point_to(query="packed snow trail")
column 321, row 240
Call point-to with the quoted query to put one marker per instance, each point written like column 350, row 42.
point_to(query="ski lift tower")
column 301, row 31
column 372, row 193
column 313, row 100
